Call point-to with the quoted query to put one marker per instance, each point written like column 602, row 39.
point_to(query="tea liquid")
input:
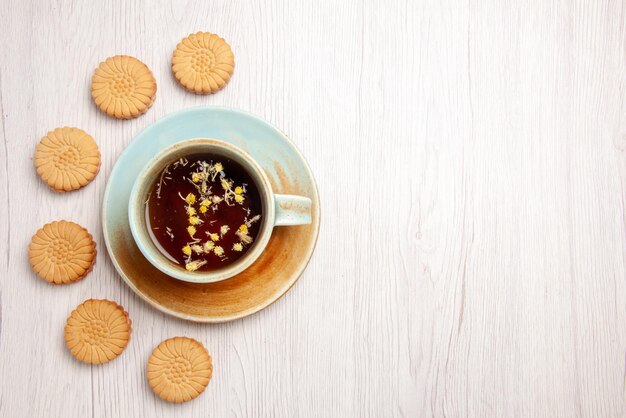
column 204, row 212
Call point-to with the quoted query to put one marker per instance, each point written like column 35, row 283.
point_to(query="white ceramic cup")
column 277, row 209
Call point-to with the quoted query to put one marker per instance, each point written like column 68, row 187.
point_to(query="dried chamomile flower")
column 194, row 265
column 190, row 198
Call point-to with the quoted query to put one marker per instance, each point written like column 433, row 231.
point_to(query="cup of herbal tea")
column 203, row 210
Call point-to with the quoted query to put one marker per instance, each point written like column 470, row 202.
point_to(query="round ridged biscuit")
column 179, row 369
column 123, row 87
column 203, row 63
column 67, row 159
column 62, row 252
column 97, row 331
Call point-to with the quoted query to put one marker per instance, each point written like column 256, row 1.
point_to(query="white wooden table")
column 471, row 160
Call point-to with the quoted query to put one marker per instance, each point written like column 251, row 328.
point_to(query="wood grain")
column 471, row 160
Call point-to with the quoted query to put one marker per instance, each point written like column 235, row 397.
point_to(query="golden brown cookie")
column 203, row 63
column 179, row 369
column 67, row 159
column 62, row 252
column 123, row 87
column 97, row 331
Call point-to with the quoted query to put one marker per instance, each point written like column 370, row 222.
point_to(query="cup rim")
column 145, row 243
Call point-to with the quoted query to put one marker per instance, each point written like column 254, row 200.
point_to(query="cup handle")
column 292, row 210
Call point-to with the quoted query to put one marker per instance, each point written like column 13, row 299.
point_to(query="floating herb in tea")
column 203, row 212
